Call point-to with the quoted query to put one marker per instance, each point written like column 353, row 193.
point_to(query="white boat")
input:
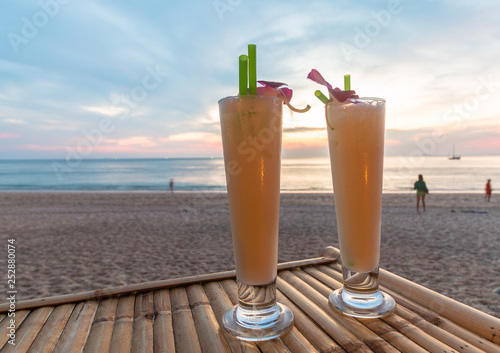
column 455, row 157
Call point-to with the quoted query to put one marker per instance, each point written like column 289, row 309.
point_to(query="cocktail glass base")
column 360, row 295
column 257, row 317
column 362, row 305
column 258, row 325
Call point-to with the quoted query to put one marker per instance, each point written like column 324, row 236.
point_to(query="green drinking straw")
column 252, row 68
column 243, row 75
column 321, row 96
column 347, row 82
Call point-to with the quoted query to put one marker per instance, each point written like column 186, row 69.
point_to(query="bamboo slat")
column 474, row 320
column 147, row 286
column 163, row 331
column 209, row 332
column 142, row 334
column 220, row 304
column 48, row 336
column 311, row 331
column 185, row 336
column 101, row 330
column 296, row 342
column 77, row 328
column 27, row 332
column 331, row 253
column 121, row 338
column 6, row 323
column 231, row 289
column 273, row 346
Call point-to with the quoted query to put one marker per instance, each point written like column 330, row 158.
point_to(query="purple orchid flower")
column 336, row 92
column 277, row 89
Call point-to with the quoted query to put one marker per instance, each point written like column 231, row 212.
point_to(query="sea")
column 442, row 175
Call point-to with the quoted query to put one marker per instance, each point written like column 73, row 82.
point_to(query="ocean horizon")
column 467, row 175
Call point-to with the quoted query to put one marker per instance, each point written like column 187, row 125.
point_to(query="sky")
column 115, row 79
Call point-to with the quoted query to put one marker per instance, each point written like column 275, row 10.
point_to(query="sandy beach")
column 71, row 242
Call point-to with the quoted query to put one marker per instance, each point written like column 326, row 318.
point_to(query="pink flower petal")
column 273, row 89
column 287, row 93
column 340, row 95
column 316, row 77
column 267, row 90
column 272, row 84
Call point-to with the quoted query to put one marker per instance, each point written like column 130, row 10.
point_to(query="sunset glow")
column 144, row 81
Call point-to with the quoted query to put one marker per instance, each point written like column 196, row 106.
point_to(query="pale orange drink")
column 251, row 135
column 356, row 141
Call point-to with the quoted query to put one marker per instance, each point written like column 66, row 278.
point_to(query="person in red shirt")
column 488, row 191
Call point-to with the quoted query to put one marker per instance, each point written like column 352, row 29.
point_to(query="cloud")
column 6, row 135
column 195, row 136
column 487, row 142
column 106, row 110
column 33, row 147
column 137, row 141
column 392, row 142
column 302, row 129
column 14, row 121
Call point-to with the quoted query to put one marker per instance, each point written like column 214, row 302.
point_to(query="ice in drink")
column 251, row 136
column 356, row 141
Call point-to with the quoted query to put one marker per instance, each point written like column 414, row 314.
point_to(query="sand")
column 72, row 242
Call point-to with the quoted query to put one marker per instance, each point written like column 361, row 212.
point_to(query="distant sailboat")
column 454, row 156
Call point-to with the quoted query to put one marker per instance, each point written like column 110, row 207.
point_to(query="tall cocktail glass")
column 356, row 140
column 251, row 137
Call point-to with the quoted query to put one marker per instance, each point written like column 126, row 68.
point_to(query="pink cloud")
column 487, row 142
column 8, row 135
column 139, row 141
column 195, row 136
column 42, row 148
column 306, row 139
column 393, row 142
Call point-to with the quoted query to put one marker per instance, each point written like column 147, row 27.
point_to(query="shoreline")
column 72, row 242
column 221, row 191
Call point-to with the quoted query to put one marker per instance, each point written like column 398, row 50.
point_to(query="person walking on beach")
column 421, row 191
column 171, row 185
column 488, row 191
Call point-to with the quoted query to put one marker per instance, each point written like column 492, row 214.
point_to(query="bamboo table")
column 184, row 315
